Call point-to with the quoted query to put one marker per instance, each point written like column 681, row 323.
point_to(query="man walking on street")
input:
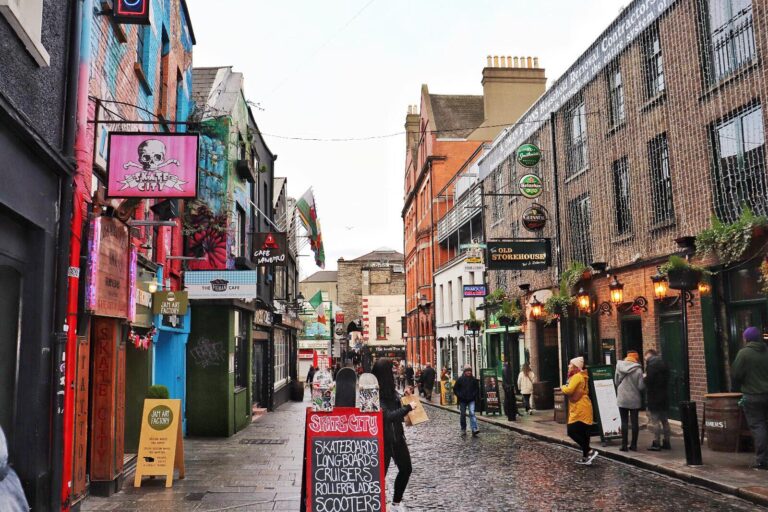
column 510, row 397
column 428, row 381
column 749, row 374
column 466, row 390
column 657, row 398
column 409, row 375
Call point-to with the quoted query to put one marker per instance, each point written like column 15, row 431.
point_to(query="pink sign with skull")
column 152, row 165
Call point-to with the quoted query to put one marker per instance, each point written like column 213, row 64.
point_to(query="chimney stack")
column 412, row 121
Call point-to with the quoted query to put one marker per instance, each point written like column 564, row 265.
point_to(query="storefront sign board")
column 605, row 406
column 161, row 445
column 221, row 284
column 134, row 12
column 475, row 290
column 170, row 303
column 269, row 249
column 107, row 292
column 521, row 254
column 349, row 439
column 152, row 165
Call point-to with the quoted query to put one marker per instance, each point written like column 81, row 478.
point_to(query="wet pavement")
column 498, row 471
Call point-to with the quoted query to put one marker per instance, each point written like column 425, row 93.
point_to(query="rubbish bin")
column 560, row 406
column 543, row 395
column 722, row 421
column 297, row 391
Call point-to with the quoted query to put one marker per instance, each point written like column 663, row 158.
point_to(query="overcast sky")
column 350, row 68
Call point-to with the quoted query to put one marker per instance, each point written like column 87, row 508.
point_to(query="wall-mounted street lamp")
column 705, row 288
column 151, row 286
column 660, row 285
column 616, row 291
column 583, row 301
column 537, row 308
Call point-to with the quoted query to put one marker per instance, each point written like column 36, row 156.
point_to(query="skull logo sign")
column 151, row 156
column 152, row 161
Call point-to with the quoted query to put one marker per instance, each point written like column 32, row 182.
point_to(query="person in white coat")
column 525, row 385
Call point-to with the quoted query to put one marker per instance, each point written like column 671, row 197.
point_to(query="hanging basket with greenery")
column 681, row 274
column 510, row 313
column 730, row 241
column 576, row 271
column 473, row 324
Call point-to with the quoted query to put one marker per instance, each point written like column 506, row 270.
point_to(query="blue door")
column 169, row 368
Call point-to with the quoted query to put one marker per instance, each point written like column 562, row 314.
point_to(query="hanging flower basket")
column 684, row 278
column 473, row 325
column 506, row 321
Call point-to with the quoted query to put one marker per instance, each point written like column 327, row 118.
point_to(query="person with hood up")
column 749, row 374
column 580, row 416
column 428, row 381
column 629, row 389
column 466, row 390
column 657, row 394
column 394, row 414
column 12, row 497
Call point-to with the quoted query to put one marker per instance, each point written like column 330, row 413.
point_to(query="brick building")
column 657, row 127
column 442, row 134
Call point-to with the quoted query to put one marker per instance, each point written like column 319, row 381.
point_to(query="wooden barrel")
column 543, row 395
column 721, row 422
column 561, row 407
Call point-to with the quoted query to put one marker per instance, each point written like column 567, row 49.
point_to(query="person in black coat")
column 466, row 390
column 394, row 414
column 657, row 398
column 311, row 374
column 409, row 375
column 510, row 395
column 428, row 380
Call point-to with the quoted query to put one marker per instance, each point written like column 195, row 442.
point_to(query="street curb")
column 739, row 492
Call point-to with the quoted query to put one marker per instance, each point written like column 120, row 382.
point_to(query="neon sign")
column 132, row 11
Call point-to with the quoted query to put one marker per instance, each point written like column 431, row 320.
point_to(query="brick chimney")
column 412, row 120
column 510, row 86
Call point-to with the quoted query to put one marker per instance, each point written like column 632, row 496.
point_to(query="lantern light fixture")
column 616, row 290
column 537, row 308
column 704, row 288
column 151, row 286
column 660, row 285
column 582, row 300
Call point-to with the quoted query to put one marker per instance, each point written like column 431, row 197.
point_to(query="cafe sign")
column 528, row 155
column 170, row 303
column 269, row 249
column 221, row 284
column 519, row 254
column 531, row 186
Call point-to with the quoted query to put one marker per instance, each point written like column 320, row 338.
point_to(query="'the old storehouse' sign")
column 519, row 255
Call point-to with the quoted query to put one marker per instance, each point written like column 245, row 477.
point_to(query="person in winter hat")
column 657, row 398
column 629, row 397
column 525, row 385
column 466, row 390
column 580, row 416
column 749, row 374
column 12, row 497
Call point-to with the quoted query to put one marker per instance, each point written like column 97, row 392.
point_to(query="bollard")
column 690, row 433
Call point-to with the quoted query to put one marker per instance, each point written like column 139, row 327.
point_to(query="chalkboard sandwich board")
column 344, row 461
column 606, row 408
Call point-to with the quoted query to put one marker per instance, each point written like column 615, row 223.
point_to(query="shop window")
column 739, row 164
column 615, row 94
column 141, row 67
column 381, row 328
column 730, row 37
column 579, row 213
column 281, row 356
column 653, row 62
column 241, row 362
column 621, row 197
column 577, row 138
column 661, row 181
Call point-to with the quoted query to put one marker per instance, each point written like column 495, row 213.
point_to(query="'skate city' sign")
column 519, row 255
column 344, row 467
column 152, row 165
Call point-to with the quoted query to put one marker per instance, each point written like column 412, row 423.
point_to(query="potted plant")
column 576, row 271
column 510, row 313
column 729, row 241
column 557, row 305
column 157, row 392
column 681, row 274
column 473, row 324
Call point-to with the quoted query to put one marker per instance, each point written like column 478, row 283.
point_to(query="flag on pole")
column 308, row 214
column 317, row 304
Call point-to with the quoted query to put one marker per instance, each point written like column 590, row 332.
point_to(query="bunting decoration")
column 308, row 214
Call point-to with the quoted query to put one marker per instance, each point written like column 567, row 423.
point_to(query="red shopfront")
column 100, row 379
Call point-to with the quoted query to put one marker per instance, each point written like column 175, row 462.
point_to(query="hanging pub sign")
column 170, row 303
column 269, row 248
column 531, row 186
column 475, row 290
column 535, row 218
column 519, row 254
column 528, row 155
column 221, row 284
column 135, row 12
column 152, row 165
column 109, row 257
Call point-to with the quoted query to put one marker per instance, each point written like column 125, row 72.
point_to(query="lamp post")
column 423, row 305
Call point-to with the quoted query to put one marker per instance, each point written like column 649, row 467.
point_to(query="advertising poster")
column 490, row 384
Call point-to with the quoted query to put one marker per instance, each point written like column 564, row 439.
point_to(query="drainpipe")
column 62, row 264
column 82, row 39
column 564, row 331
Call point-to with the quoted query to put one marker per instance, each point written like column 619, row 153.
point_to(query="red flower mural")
column 206, row 238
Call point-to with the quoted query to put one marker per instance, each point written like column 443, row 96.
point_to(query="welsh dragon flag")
column 308, row 214
column 317, row 304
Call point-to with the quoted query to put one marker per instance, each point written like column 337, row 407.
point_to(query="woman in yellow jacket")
column 579, row 409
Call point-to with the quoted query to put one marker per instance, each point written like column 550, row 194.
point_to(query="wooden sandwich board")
column 161, row 445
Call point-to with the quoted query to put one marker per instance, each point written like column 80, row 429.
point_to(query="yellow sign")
column 446, row 392
column 161, row 445
column 473, row 260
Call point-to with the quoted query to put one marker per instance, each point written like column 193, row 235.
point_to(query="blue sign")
column 475, row 290
column 132, row 11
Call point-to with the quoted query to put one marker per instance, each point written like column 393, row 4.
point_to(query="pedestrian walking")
column 579, row 409
column 428, row 381
column 510, row 395
column 419, row 383
column 395, row 446
column 409, row 375
column 525, row 385
column 401, row 376
column 466, row 390
column 749, row 374
column 311, row 374
column 629, row 396
column 657, row 399
column 12, row 497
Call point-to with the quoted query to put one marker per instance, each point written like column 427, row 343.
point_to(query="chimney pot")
column 536, row 62
column 495, row 61
column 489, row 61
column 509, row 61
column 517, row 62
column 530, row 62
column 503, row 61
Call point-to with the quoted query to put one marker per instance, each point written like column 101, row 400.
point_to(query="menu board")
column 604, row 398
column 161, row 448
column 344, row 461
column 490, row 383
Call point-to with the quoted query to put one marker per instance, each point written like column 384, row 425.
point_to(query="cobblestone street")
column 497, row 471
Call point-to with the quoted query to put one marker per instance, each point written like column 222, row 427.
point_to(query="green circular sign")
column 528, row 155
column 160, row 417
column 531, row 186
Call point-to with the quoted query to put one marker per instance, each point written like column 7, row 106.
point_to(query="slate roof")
column 457, row 116
column 322, row 276
column 216, row 90
column 202, row 83
column 381, row 255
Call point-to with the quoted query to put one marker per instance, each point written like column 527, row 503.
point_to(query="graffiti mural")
column 206, row 237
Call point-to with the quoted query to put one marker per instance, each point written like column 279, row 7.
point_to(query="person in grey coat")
column 629, row 389
column 12, row 497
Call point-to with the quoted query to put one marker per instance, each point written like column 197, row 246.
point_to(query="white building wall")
column 392, row 309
